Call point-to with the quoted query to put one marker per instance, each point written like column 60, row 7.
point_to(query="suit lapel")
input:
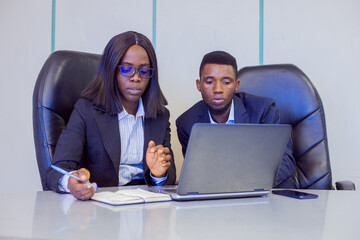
column 110, row 136
column 203, row 114
column 241, row 115
column 148, row 132
column 152, row 131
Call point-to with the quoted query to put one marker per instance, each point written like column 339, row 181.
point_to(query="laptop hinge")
column 259, row 190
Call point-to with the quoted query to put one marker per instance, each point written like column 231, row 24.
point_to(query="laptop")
column 229, row 161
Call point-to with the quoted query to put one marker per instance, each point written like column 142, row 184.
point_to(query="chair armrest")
column 345, row 185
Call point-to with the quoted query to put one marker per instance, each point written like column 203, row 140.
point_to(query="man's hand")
column 82, row 191
column 158, row 159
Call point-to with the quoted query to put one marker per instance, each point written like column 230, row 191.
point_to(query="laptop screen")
column 224, row 158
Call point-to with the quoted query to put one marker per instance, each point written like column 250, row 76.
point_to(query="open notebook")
column 227, row 161
column 129, row 196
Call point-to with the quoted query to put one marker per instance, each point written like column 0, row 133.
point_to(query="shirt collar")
column 231, row 118
column 140, row 111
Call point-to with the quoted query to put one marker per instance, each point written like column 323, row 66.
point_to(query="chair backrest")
column 61, row 80
column 300, row 105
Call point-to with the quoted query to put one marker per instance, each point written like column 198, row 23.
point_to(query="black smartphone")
column 294, row 194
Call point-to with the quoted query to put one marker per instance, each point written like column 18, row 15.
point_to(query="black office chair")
column 300, row 105
column 60, row 82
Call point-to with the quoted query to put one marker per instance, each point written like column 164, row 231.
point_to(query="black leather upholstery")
column 59, row 85
column 300, row 105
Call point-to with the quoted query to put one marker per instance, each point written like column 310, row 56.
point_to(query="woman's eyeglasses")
column 129, row 71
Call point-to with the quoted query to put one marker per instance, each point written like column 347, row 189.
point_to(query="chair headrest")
column 62, row 79
column 292, row 91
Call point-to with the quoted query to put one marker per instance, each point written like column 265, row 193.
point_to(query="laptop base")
column 171, row 190
column 178, row 197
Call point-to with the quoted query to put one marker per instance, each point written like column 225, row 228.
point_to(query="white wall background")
column 25, row 43
column 321, row 37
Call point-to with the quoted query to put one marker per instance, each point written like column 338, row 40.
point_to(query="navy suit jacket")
column 247, row 109
column 92, row 140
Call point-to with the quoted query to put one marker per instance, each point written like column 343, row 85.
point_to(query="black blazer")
column 92, row 140
column 247, row 109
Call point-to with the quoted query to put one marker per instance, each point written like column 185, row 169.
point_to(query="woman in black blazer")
column 119, row 131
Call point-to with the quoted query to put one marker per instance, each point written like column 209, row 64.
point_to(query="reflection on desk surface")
column 48, row 215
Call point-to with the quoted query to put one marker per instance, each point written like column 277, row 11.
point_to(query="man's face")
column 217, row 86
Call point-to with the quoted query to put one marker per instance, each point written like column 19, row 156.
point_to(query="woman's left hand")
column 158, row 159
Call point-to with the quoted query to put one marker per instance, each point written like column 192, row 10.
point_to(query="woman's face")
column 132, row 88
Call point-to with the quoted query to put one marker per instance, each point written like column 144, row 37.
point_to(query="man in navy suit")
column 221, row 104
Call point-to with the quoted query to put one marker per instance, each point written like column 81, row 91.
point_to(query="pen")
column 60, row 170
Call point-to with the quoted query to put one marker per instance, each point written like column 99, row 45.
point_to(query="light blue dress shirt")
column 132, row 147
column 231, row 118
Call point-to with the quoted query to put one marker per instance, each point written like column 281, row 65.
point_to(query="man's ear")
column 198, row 85
column 237, row 84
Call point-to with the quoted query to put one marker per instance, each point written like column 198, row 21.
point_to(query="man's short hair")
column 218, row 57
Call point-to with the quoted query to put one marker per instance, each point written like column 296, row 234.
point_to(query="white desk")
column 48, row 215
